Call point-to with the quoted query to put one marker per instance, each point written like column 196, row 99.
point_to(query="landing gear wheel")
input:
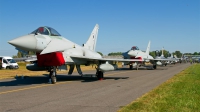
column 100, row 75
column 137, row 66
column 154, row 66
column 165, row 64
column 53, row 79
column 131, row 67
column 52, row 76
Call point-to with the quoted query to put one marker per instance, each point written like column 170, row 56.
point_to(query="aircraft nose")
column 132, row 53
column 27, row 42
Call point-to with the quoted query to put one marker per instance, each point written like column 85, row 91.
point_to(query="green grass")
column 179, row 94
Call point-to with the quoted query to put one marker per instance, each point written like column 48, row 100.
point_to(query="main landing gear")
column 99, row 75
column 131, row 67
column 136, row 65
column 52, row 75
column 154, row 66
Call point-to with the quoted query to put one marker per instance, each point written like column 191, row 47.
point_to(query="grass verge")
column 179, row 94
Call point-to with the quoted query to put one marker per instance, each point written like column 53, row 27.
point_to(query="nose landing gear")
column 52, row 75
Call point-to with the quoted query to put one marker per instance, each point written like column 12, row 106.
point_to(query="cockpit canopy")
column 46, row 31
column 134, row 48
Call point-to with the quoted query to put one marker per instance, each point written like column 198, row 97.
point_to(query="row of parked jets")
column 135, row 53
column 53, row 50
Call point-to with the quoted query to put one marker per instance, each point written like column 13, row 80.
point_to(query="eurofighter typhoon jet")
column 135, row 53
column 53, row 50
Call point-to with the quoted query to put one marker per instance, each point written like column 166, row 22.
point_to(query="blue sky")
column 172, row 24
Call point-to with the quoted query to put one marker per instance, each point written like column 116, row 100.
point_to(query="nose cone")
column 132, row 53
column 27, row 42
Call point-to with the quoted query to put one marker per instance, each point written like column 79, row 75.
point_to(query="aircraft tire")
column 100, row 75
column 137, row 67
column 154, row 66
column 131, row 67
column 53, row 79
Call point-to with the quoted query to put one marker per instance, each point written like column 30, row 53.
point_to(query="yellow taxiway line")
column 15, row 90
column 44, row 85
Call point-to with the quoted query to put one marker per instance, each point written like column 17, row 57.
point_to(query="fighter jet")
column 173, row 60
column 162, row 55
column 180, row 59
column 135, row 53
column 54, row 50
column 161, row 59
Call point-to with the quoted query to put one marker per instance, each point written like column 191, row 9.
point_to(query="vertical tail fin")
column 171, row 55
column 175, row 56
column 162, row 52
column 91, row 42
column 148, row 47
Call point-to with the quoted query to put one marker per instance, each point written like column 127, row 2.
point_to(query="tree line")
column 21, row 54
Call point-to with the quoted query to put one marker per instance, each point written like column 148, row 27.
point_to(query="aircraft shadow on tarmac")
column 29, row 80
column 162, row 68
column 170, row 65
column 142, row 68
